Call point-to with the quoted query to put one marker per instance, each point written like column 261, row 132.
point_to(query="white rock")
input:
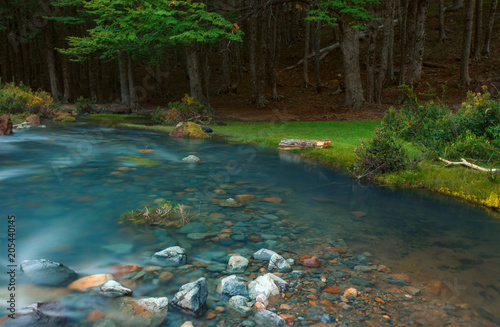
column 191, row 158
column 266, row 286
column 237, row 264
column 114, row 289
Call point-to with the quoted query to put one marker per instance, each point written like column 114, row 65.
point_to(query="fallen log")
column 289, row 144
column 464, row 162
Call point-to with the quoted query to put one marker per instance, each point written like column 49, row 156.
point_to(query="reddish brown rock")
column 358, row 214
column 5, row 125
column 244, row 197
column 90, row 281
column 401, row 276
column 304, row 257
column 33, row 120
column 121, row 270
column 288, row 318
column 338, row 250
column 332, row 290
column 311, row 262
column 95, row 315
column 273, row 200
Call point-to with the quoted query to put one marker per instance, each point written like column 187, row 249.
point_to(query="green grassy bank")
column 460, row 182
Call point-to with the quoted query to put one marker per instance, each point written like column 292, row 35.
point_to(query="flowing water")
column 68, row 184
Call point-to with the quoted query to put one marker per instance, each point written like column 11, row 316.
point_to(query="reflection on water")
column 68, row 186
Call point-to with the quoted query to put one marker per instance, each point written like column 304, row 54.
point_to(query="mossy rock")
column 189, row 130
column 65, row 119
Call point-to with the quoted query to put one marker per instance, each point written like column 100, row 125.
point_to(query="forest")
column 139, row 52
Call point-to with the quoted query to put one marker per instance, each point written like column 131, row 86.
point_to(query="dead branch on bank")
column 464, row 162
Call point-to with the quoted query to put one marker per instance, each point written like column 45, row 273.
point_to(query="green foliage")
column 470, row 145
column 16, row 99
column 83, row 105
column 429, row 124
column 473, row 132
column 148, row 28
column 480, row 115
column 383, row 153
column 166, row 213
column 187, row 109
column 354, row 11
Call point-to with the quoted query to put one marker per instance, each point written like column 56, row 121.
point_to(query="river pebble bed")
column 268, row 242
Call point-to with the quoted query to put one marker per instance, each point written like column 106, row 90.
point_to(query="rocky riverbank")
column 329, row 286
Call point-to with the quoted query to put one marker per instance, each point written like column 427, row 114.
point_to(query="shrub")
column 383, row 153
column 16, row 99
column 480, row 116
column 429, row 124
column 83, row 105
column 185, row 110
column 471, row 146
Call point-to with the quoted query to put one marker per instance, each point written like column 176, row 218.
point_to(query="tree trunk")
column 371, row 59
column 387, row 49
column 51, row 63
column 66, row 79
column 442, row 34
column 252, row 57
column 124, row 87
column 414, row 34
column 130, row 78
column 195, row 75
column 491, row 21
column 476, row 54
column 349, row 46
column 317, row 48
column 466, row 43
column 263, row 41
column 305, row 67
column 274, row 53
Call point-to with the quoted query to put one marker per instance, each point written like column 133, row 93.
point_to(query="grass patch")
column 459, row 182
column 115, row 120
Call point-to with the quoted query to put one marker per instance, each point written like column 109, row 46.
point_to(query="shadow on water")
column 68, row 185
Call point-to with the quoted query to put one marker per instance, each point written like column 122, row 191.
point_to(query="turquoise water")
column 64, row 186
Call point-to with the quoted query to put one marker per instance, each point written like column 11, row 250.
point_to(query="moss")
column 65, row 119
column 189, row 130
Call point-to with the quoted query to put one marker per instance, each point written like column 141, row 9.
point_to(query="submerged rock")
column 89, row 282
column 231, row 286
column 49, row 314
column 132, row 312
column 238, row 305
column 192, row 298
column 263, row 254
column 237, row 264
column 279, row 264
column 266, row 318
column 47, row 272
column 114, row 289
column 172, row 256
column 230, row 203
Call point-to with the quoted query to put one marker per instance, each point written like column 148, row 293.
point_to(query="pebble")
column 311, row 262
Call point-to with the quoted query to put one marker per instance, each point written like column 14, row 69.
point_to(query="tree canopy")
column 148, row 27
